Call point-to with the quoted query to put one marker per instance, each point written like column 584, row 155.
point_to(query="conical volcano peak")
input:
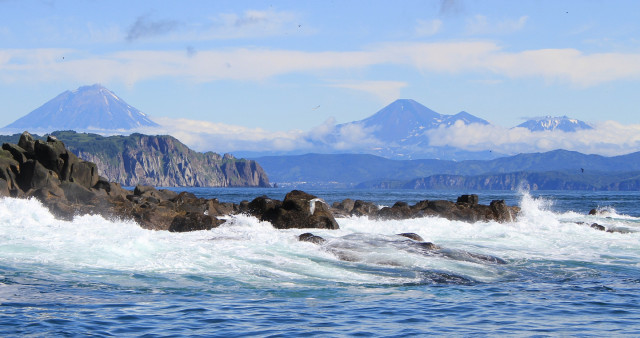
column 405, row 109
column 405, row 121
column 87, row 108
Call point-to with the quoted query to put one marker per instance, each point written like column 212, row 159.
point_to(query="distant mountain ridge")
column 349, row 170
column 404, row 121
column 86, row 108
column 401, row 129
column 548, row 180
column 550, row 123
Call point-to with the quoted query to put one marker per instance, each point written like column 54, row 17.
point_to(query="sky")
column 271, row 72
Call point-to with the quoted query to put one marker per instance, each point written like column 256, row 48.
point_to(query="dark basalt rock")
column 34, row 175
column 215, row 208
column 16, row 152
column 468, row 199
column 297, row 210
column 466, row 208
column 412, row 236
column 27, row 142
column 194, row 222
column 69, row 186
column 4, row 188
column 309, row 237
column 362, row 208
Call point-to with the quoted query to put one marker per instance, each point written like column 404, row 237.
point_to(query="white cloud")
column 428, row 27
column 567, row 65
column 385, row 91
column 607, row 138
column 353, row 136
column 220, row 137
column 257, row 64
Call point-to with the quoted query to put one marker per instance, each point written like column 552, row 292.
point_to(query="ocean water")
column 101, row 277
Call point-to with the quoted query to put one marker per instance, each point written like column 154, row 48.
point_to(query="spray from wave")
column 363, row 251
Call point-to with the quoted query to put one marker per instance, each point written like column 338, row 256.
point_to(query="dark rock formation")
column 465, row 209
column 159, row 160
column 412, row 236
column 68, row 186
column 309, row 237
column 297, row 210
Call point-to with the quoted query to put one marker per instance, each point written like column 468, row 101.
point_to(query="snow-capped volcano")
column 88, row 108
column 563, row 123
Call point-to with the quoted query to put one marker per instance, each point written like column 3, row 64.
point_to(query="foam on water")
column 363, row 251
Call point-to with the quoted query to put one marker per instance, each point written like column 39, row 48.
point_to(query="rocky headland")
column 157, row 160
column 69, row 186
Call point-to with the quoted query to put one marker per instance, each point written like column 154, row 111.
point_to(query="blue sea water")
column 103, row 277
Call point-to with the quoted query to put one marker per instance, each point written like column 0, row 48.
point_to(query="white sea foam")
column 362, row 251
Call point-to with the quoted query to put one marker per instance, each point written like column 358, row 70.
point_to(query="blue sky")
column 277, row 70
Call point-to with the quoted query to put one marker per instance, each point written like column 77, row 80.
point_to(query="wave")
column 363, row 251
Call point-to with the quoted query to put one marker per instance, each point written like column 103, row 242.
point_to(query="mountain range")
column 593, row 172
column 404, row 122
column 397, row 131
column 400, row 136
column 551, row 123
column 400, row 129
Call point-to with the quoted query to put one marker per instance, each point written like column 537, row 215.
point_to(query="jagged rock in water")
column 297, row 210
column 412, row 236
column 465, row 209
column 309, row 237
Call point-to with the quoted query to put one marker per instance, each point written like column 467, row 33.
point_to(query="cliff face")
column 162, row 161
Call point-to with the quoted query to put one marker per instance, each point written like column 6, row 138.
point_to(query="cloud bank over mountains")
column 608, row 138
column 403, row 129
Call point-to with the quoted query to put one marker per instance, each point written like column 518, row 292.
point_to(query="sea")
column 101, row 277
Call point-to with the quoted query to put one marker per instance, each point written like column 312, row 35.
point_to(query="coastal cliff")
column 161, row 161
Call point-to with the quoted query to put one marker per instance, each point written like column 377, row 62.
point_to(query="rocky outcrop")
column 69, row 186
column 466, row 208
column 297, row 210
column 160, row 161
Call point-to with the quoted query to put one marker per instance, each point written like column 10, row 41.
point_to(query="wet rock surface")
column 409, row 242
column 68, row 186
column 466, row 209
